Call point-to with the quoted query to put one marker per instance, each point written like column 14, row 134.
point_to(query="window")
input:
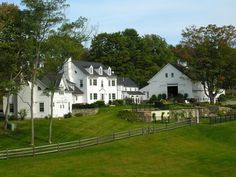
column 109, row 83
column 95, row 96
column 166, row 75
column 172, row 74
column 91, row 70
column 81, row 84
column 102, row 96
column 41, row 107
column 113, row 96
column 91, row 96
column 147, row 95
column 109, row 96
column 94, row 81
column 101, row 83
column 90, row 81
column 11, row 108
column 113, row 83
column 69, row 106
column 100, row 71
column 75, row 72
column 109, row 71
column 76, row 98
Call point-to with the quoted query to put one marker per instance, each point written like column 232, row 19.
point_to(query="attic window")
column 75, row 72
column 100, row 71
column 172, row 74
column 109, row 71
column 166, row 75
column 91, row 70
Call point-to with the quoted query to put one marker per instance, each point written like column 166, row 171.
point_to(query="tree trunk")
column 32, row 108
column 50, row 120
column 6, row 112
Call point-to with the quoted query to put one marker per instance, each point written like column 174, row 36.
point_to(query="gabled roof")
column 125, row 81
column 83, row 65
column 183, row 70
column 77, row 91
column 51, row 79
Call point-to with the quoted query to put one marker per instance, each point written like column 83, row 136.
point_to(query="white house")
column 96, row 81
column 62, row 102
column 172, row 80
column 127, row 88
column 78, row 82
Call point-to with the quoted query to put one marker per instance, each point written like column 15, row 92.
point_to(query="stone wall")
column 85, row 112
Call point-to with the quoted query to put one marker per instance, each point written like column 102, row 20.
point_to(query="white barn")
column 172, row 80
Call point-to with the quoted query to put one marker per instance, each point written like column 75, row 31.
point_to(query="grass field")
column 194, row 151
column 105, row 122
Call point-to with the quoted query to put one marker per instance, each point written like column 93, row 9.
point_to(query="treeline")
column 131, row 55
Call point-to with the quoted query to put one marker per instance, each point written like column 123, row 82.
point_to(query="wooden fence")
column 219, row 119
column 82, row 143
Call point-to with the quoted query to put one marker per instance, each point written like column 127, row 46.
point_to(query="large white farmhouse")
column 96, row 81
column 78, row 82
column 172, row 80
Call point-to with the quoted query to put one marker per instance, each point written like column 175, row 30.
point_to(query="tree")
column 64, row 43
column 208, row 48
column 12, row 53
column 131, row 55
column 41, row 17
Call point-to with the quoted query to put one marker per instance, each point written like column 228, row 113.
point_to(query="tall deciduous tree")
column 64, row 43
column 12, row 52
column 209, row 48
column 41, row 17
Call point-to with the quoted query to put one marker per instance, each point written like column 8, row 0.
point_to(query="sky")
column 166, row 18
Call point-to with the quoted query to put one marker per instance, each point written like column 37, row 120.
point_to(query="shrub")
column 69, row 115
column 153, row 99
column 99, row 104
column 118, row 102
column 163, row 95
column 222, row 98
column 83, row 106
column 128, row 101
column 192, row 100
column 159, row 104
column 185, row 96
column 159, row 97
column 22, row 114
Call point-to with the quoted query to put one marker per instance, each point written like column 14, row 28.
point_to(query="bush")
column 159, row 104
column 99, row 104
column 69, row 115
column 128, row 101
column 153, row 99
column 22, row 114
column 180, row 98
column 192, row 100
column 223, row 98
column 163, row 95
column 83, row 106
column 118, row 102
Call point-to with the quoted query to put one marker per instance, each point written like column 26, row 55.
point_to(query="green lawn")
column 105, row 122
column 194, row 151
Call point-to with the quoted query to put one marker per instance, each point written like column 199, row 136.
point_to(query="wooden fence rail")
column 219, row 119
column 82, row 143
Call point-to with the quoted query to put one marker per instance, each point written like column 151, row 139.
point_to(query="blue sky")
column 166, row 18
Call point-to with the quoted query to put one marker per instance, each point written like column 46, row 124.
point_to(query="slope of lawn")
column 105, row 122
column 193, row 151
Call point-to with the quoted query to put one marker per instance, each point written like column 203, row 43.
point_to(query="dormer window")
column 109, row 71
column 100, row 71
column 91, row 70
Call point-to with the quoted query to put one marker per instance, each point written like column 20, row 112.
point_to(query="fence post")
column 33, row 150
column 58, row 147
column 7, row 154
column 113, row 136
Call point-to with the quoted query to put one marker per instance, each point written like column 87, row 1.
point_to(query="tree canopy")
column 132, row 55
column 209, row 52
